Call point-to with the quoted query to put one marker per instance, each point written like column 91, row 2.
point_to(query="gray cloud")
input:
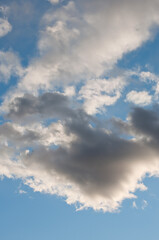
column 99, row 164
column 146, row 122
column 97, row 169
column 45, row 105
column 141, row 123
column 17, row 135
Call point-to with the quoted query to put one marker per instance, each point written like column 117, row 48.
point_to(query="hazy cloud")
column 9, row 66
column 5, row 27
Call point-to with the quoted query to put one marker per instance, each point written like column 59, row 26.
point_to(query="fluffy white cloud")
column 139, row 98
column 151, row 77
column 98, row 93
column 78, row 43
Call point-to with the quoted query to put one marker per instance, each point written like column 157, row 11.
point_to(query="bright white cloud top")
column 58, row 133
column 139, row 98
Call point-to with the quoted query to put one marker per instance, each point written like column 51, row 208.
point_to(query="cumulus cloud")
column 78, row 43
column 98, row 93
column 46, row 105
column 34, row 134
column 52, row 142
column 151, row 77
column 95, row 168
column 141, row 98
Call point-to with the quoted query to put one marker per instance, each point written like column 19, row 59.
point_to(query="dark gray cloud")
column 99, row 163
column 146, row 122
column 142, row 122
column 45, row 105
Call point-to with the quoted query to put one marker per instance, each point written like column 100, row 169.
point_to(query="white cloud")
column 5, row 27
column 134, row 205
column 54, row 1
column 149, row 76
column 98, row 93
column 144, row 204
column 36, row 134
column 9, row 66
column 70, row 91
column 22, row 191
column 83, row 44
column 141, row 98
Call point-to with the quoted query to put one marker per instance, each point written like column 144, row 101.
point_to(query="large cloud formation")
column 94, row 168
column 56, row 143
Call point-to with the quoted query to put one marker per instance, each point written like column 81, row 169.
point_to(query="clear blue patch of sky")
column 36, row 216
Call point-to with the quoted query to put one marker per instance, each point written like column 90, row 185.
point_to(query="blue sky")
column 79, row 121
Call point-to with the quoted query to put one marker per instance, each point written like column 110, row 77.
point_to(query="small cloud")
column 4, row 10
column 144, row 204
column 22, row 191
column 70, row 91
column 5, row 27
column 53, row 1
column 134, row 205
column 141, row 98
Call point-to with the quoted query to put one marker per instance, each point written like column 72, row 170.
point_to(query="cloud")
column 98, row 93
column 144, row 204
column 22, row 191
column 53, row 143
column 78, row 43
column 95, row 169
column 35, row 134
column 134, row 205
column 141, row 98
column 9, row 66
column 151, row 77
column 146, row 122
column 4, row 10
column 54, row 1
column 5, row 27
column 47, row 105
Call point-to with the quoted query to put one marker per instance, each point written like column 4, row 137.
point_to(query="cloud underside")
column 90, row 166
column 54, row 140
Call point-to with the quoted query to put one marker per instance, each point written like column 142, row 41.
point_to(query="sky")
column 79, row 119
